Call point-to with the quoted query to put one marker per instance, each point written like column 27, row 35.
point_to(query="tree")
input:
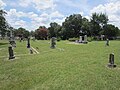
column 54, row 30
column 98, row 21
column 21, row 32
column 85, row 27
column 72, row 26
column 32, row 33
column 110, row 31
column 3, row 23
column 41, row 33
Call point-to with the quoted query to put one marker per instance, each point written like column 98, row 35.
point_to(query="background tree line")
column 73, row 26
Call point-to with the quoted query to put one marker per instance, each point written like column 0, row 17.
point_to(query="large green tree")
column 72, row 26
column 3, row 23
column 85, row 27
column 98, row 21
column 111, row 31
column 22, row 32
column 54, row 30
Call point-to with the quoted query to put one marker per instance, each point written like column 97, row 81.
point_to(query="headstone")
column 31, row 51
column 107, row 42
column 53, row 43
column 80, row 40
column 111, row 61
column 102, row 37
column 28, row 43
column 85, row 39
column 11, row 54
column 12, row 42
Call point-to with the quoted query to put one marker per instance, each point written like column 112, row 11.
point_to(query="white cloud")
column 112, row 9
column 20, row 23
column 38, row 4
column 82, row 13
column 2, row 4
column 25, row 3
column 43, row 4
column 14, row 18
column 56, row 14
column 59, row 21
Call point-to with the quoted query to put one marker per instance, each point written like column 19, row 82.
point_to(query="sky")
column 30, row 14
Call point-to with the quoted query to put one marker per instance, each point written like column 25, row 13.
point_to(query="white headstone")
column 85, row 38
column 80, row 40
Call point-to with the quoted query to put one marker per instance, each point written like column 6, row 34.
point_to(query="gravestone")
column 11, row 54
column 85, row 39
column 107, row 42
column 12, row 42
column 28, row 43
column 53, row 43
column 102, row 37
column 80, row 40
column 111, row 61
column 31, row 51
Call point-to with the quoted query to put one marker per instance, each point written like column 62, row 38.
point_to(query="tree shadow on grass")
column 3, row 44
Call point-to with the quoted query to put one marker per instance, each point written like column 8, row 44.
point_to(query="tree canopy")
column 3, row 23
column 73, row 26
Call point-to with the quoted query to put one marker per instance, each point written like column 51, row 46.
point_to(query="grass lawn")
column 68, row 67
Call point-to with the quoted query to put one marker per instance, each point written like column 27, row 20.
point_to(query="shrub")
column 90, row 39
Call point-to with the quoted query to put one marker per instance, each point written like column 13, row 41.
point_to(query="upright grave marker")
column 111, row 61
column 80, row 40
column 12, row 40
column 28, row 43
column 83, row 39
column 53, row 43
column 107, row 42
column 11, row 54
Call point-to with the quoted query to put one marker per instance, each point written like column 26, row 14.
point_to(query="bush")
column 90, row 39
column 58, row 39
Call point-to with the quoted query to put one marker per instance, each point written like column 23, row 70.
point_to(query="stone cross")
column 53, row 43
column 11, row 54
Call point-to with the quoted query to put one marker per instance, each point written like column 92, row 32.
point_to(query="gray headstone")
column 11, row 54
column 85, row 38
column 53, row 43
column 28, row 43
column 111, row 61
column 80, row 40
column 107, row 42
column 12, row 42
column 31, row 51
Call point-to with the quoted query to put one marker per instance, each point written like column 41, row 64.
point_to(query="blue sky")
column 31, row 14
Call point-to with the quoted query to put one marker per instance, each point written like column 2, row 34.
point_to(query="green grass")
column 76, row 67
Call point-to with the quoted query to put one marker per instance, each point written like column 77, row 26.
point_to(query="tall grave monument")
column 12, row 40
